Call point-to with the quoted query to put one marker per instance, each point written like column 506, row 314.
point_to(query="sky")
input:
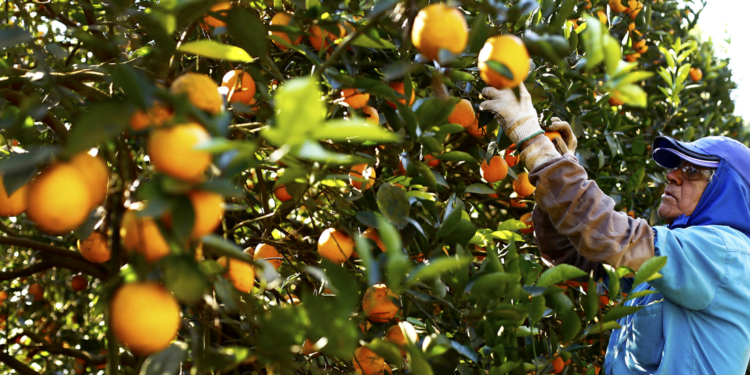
column 726, row 19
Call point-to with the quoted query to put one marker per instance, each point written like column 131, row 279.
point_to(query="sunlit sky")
column 727, row 19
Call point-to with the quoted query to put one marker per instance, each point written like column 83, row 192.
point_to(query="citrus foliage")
column 365, row 220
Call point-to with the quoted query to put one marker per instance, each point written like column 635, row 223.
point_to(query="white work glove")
column 569, row 142
column 518, row 119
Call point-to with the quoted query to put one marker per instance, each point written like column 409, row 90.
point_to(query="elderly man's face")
column 681, row 196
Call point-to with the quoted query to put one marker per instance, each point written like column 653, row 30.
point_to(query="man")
column 698, row 321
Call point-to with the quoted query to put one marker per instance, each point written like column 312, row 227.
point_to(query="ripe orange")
column 144, row 316
column 557, row 365
column 209, row 210
column 361, row 178
column 242, row 92
column 282, row 19
column 431, row 161
column 526, row 219
column 475, row 130
column 371, row 114
column 240, row 274
column 171, row 151
column 553, row 135
column 632, row 57
column 266, row 251
column 510, row 159
column 318, row 42
column 634, row 7
column 200, row 89
column 587, row 4
column 37, row 291
column 509, row 50
column 617, row 6
column 377, row 305
column 354, row 98
column 96, row 173
column 142, row 235
column 16, row 203
column 602, row 17
column 496, row 170
column 517, row 204
column 334, row 245
column 463, row 114
column 631, row 26
column 402, row 334
column 95, row 248
column 220, row 8
column 157, row 115
column 59, row 199
column 439, row 26
column 696, row 74
column 3, row 298
column 640, row 46
column 366, row 362
column 615, row 102
column 399, row 88
column 281, row 193
column 372, row 234
column 79, row 283
column 522, row 186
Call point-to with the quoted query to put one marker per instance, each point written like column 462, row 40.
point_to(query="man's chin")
column 665, row 213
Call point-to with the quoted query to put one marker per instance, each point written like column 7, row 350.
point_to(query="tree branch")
column 16, row 98
column 60, row 257
column 15, row 364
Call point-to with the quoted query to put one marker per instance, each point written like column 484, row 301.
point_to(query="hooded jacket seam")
column 724, row 276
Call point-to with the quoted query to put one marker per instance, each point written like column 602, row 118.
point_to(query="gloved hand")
column 569, row 142
column 518, row 119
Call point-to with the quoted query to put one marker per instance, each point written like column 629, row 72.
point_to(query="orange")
column 59, row 199
column 634, row 7
column 517, row 204
column 475, row 130
column 200, row 89
column 242, row 92
column 334, row 245
column 496, row 170
column 371, row 114
column 399, row 88
column 377, row 304
column 220, row 8
column 402, row 334
column 3, row 298
column 240, row 274
column 142, row 235
column 632, row 57
column 557, row 365
column 510, row 159
column 144, row 316
column 360, row 178
column 95, row 248
column 354, row 98
column 79, row 283
column 372, row 234
column 696, row 74
column 631, row 26
column 616, row 6
column 209, row 210
column 431, row 161
column 526, row 219
column 266, row 251
column 463, row 114
column 366, row 362
column 171, row 151
column 509, row 50
column 553, row 135
column 15, row 204
column 281, row 193
column 602, row 17
column 615, row 102
column 282, row 19
column 157, row 115
column 522, row 186
column 640, row 46
column 604, row 300
column 587, row 5
column 317, row 40
column 37, row 291
column 439, row 26
column 96, row 173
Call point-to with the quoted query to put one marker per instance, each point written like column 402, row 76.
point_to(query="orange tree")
column 305, row 187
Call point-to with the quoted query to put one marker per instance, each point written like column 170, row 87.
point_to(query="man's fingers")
column 491, row 93
column 555, row 119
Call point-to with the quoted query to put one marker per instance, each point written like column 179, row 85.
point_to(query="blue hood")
column 726, row 200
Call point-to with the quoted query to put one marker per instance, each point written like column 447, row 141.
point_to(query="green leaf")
column 436, row 268
column 450, row 222
column 224, row 247
column 368, row 42
column 372, row 272
column 215, row 50
column 226, row 358
column 537, row 308
column 167, row 361
column 619, row 312
column 435, row 111
column 649, row 270
column 245, row 26
column 642, row 293
column 636, row 178
column 103, row 121
column 299, row 110
column 635, row 77
column 592, row 42
column 12, row 36
column 612, row 54
column 356, row 130
column 393, row 204
column 500, row 68
column 591, row 305
column 457, row 156
column 633, row 95
column 387, row 350
column 559, row 273
column 480, row 189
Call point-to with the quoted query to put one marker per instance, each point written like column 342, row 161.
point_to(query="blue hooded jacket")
column 698, row 322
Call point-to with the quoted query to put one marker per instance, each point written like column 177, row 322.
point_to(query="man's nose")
column 674, row 177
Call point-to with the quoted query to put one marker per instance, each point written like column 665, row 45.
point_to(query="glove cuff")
column 538, row 152
column 526, row 129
